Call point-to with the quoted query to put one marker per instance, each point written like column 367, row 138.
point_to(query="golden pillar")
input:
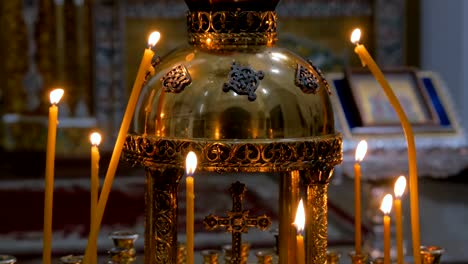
column 289, row 198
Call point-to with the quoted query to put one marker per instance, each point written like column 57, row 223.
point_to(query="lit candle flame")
column 386, row 205
column 299, row 222
column 191, row 163
column 95, row 138
column 361, row 150
column 400, row 186
column 356, row 36
column 153, row 39
column 56, row 95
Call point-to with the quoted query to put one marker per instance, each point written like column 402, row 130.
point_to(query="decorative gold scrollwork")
column 314, row 154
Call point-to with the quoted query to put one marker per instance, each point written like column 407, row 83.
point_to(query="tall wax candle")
column 299, row 222
column 55, row 97
column 145, row 66
column 399, row 189
column 95, row 141
column 190, row 166
column 386, row 207
column 367, row 60
column 360, row 153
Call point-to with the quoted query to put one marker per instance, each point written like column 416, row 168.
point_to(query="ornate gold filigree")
column 316, row 228
column 213, row 29
column 161, row 215
column 311, row 154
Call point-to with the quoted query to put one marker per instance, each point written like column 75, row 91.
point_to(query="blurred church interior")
column 92, row 49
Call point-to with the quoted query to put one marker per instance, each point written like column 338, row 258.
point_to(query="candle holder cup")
column 333, row 257
column 358, row 258
column 124, row 249
column 70, row 259
column 265, row 256
column 123, row 239
column 431, row 254
column 210, row 256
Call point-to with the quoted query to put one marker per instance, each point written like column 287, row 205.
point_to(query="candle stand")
column 244, row 106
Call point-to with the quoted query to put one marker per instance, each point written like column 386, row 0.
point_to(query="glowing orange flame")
column 361, row 150
column 191, row 163
column 299, row 222
column 386, row 205
column 56, row 95
column 356, row 36
column 95, row 138
column 400, row 186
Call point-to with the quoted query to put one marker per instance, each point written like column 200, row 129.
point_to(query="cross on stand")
column 237, row 222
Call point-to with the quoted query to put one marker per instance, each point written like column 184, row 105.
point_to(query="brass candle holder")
column 244, row 253
column 431, row 254
column 265, row 256
column 358, row 258
column 210, row 256
column 124, row 249
column 333, row 257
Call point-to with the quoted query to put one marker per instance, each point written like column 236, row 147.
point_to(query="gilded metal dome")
column 197, row 93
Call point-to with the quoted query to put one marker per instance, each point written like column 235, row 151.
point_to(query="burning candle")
column 95, row 139
column 299, row 222
column 190, row 166
column 366, row 59
column 145, row 66
column 399, row 189
column 360, row 153
column 55, row 97
column 386, row 207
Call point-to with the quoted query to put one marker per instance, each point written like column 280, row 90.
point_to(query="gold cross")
column 237, row 221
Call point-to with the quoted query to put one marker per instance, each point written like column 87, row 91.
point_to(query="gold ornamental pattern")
column 317, row 222
column 311, row 154
column 161, row 214
column 215, row 29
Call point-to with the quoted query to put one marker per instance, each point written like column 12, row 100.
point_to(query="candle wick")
column 151, row 46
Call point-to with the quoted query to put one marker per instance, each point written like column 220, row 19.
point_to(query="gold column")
column 162, row 185
column 316, row 225
column 288, row 201
column 316, row 231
